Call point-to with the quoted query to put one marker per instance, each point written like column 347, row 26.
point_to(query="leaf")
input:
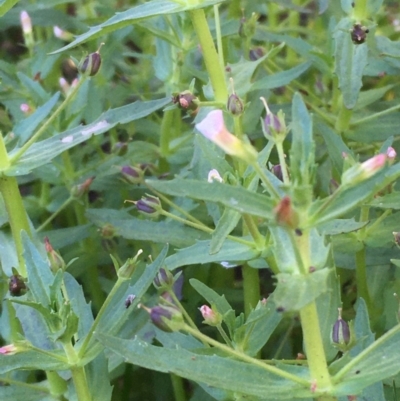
column 34, row 360
column 282, row 78
column 350, row 61
column 283, row 251
column 225, row 225
column 373, row 6
column 340, row 226
column 44, row 151
column 226, row 373
column 132, row 228
column 6, row 5
column 294, row 291
column 231, row 251
column 24, row 129
column 334, row 144
column 19, row 391
column 302, row 149
column 323, row 5
column 97, row 379
column 236, row 198
column 388, row 201
column 136, row 14
column 377, row 129
column 368, row 97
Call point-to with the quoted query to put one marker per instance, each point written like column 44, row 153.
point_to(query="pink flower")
column 365, row 170
column 26, row 23
column 372, row 165
column 210, row 317
column 391, row 153
column 213, row 128
column 8, row 349
column 25, row 108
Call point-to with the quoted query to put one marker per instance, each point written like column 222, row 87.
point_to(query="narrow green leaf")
column 350, row 61
column 225, row 225
column 97, row 378
column 281, row 78
column 44, row 151
column 136, row 14
column 388, row 201
column 294, row 291
column 368, row 97
column 341, row 226
column 6, row 5
column 225, row 373
column 237, row 198
column 21, row 392
column 230, row 251
column 373, row 6
column 283, row 250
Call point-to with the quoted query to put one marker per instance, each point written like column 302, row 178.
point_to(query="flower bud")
column 61, row 34
column 25, row 108
column 210, row 317
column 358, row 34
column 91, row 63
column 273, row 126
column 164, row 280
column 285, row 214
column 16, row 285
column 166, row 318
column 213, row 175
column 128, row 268
column 391, row 154
column 79, row 190
column 235, row 104
column 213, row 128
column 341, row 332
column 9, row 349
column 363, row 171
column 26, row 23
column 149, row 205
column 108, row 231
column 134, row 175
column 186, row 100
column 56, row 261
column 256, row 53
column 129, row 299
column 277, row 171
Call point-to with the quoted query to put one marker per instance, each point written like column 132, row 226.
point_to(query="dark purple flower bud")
column 16, row 285
column 277, row 171
column 129, row 299
column 255, row 54
column 359, row 34
column 133, row 175
column 235, row 104
column 341, row 331
column 166, row 318
column 149, row 205
column 92, row 63
column 271, row 122
column 273, row 125
column 164, row 279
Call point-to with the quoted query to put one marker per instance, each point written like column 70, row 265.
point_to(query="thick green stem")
column 80, row 383
column 251, row 288
column 211, row 59
column 178, row 387
column 17, row 216
column 311, row 332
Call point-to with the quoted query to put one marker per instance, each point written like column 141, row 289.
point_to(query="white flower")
column 213, row 175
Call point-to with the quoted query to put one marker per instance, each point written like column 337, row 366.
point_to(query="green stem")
column 252, row 228
column 211, row 59
column 165, row 132
column 224, row 335
column 80, row 383
column 182, row 309
column 273, row 14
column 266, row 181
column 361, row 278
column 282, row 162
column 96, row 322
column 376, row 115
column 17, row 216
column 219, row 36
column 311, row 330
column 57, row 385
column 251, row 288
column 243, row 357
column 55, row 214
column 178, row 387
column 343, row 120
column 360, row 12
column 16, row 156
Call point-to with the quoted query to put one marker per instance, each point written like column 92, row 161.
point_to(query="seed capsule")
column 341, row 331
column 93, row 62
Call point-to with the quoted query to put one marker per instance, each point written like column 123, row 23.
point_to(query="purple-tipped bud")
column 359, row 34
column 133, row 175
column 166, row 318
column 210, row 317
column 9, row 349
column 164, row 280
column 16, row 285
column 149, row 205
column 273, row 125
column 255, row 54
column 341, row 331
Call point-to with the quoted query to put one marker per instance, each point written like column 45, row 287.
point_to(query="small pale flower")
column 213, row 175
column 365, row 170
column 210, row 317
column 64, row 85
column 374, row 164
column 391, row 153
column 8, row 349
column 25, row 108
column 213, row 128
column 26, row 23
column 61, row 34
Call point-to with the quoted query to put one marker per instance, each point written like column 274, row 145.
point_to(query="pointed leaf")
column 6, row 5
column 226, row 224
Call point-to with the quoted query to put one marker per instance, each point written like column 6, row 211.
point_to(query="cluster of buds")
column 213, row 128
column 91, row 63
